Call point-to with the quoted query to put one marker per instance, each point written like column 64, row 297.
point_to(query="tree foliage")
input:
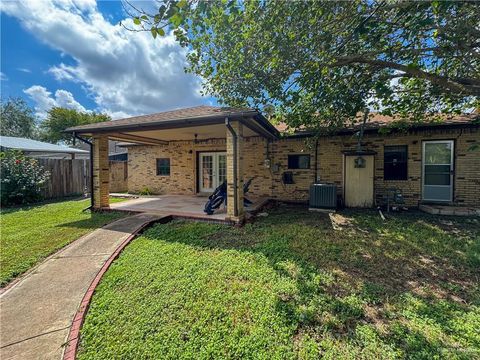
column 59, row 119
column 17, row 119
column 329, row 60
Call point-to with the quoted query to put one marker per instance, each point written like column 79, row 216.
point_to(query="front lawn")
column 293, row 285
column 31, row 233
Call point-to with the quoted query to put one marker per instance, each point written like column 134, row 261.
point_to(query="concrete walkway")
column 36, row 313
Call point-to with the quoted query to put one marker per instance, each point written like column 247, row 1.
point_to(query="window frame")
column 160, row 166
column 392, row 177
column 297, row 167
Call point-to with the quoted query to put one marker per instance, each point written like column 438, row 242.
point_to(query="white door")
column 358, row 181
column 213, row 170
column 437, row 174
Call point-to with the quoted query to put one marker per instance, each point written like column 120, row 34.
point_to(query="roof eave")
column 305, row 134
column 179, row 123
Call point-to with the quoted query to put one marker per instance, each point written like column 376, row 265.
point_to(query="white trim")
column 452, row 169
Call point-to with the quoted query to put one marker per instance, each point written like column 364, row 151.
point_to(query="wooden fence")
column 67, row 177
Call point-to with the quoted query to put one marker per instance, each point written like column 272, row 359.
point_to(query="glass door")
column 206, row 172
column 212, row 171
column 437, row 170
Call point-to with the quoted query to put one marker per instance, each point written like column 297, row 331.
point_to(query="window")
column 163, row 167
column 299, row 161
column 395, row 162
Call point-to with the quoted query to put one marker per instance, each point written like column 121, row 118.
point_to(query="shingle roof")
column 197, row 114
column 24, row 144
column 193, row 113
column 378, row 121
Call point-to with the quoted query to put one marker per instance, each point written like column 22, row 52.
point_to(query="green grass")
column 293, row 285
column 31, row 233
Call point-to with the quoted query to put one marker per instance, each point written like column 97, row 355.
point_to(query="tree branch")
column 463, row 86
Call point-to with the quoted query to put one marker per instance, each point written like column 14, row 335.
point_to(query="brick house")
column 191, row 151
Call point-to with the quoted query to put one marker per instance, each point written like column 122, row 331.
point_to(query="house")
column 39, row 149
column 193, row 150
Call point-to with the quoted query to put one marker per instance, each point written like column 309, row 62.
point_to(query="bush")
column 22, row 178
column 145, row 191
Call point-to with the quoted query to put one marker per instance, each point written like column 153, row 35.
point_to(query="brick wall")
column 118, row 176
column 268, row 183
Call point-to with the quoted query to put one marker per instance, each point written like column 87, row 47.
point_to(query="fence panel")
column 67, row 177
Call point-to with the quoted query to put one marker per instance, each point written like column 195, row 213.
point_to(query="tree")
column 17, row 119
column 58, row 119
column 323, row 62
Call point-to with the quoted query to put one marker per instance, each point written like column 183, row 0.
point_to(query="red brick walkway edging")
column 71, row 348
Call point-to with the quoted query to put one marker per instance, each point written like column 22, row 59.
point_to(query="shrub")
column 145, row 191
column 22, row 178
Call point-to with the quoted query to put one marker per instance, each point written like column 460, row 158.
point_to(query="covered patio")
column 184, row 206
column 189, row 141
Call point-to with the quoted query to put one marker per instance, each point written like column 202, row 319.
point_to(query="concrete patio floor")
column 178, row 205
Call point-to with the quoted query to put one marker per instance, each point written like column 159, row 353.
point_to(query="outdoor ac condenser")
column 323, row 196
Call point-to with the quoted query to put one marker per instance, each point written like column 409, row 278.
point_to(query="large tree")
column 329, row 60
column 17, row 119
column 58, row 119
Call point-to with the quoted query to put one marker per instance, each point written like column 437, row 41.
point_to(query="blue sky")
column 73, row 53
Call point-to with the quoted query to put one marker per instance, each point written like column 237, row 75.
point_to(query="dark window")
column 395, row 162
column 299, row 161
column 163, row 167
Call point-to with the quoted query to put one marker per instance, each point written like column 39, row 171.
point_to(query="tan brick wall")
column 100, row 172
column 118, row 176
column 237, row 127
column 268, row 183
column 142, row 171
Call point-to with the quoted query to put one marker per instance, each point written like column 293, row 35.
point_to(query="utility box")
column 323, row 196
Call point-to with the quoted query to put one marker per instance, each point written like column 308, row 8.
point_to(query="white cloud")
column 3, row 77
column 24, row 70
column 44, row 100
column 124, row 72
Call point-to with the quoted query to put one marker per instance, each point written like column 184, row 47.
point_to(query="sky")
column 74, row 54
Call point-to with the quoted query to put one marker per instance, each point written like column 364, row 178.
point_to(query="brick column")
column 101, row 172
column 238, row 128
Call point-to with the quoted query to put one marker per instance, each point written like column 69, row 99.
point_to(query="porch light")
column 267, row 163
column 360, row 162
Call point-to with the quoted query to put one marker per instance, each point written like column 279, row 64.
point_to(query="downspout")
column 91, row 167
column 234, row 138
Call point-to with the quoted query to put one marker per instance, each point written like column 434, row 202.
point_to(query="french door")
column 438, row 170
column 212, row 170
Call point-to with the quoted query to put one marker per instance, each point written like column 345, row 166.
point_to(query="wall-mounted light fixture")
column 360, row 162
column 267, row 163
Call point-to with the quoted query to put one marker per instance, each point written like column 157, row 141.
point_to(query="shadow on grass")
column 37, row 205
column 95, row 219
column 404, row 287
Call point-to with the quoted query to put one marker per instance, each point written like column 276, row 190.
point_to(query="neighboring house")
column 39, row 149
column 191, row 151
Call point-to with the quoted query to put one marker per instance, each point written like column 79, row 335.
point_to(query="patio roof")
column 183, row 118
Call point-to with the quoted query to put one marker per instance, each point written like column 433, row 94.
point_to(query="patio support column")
column 101, row 172
column 237, row 127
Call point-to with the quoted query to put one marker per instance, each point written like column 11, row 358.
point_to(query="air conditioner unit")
column 323, row 196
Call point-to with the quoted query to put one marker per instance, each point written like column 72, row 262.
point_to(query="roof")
column 205, row 115
column 378, row 121
column 24, row 144
column 198, row 115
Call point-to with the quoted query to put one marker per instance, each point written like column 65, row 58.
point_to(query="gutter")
column 235, row 192
column 92, row 201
